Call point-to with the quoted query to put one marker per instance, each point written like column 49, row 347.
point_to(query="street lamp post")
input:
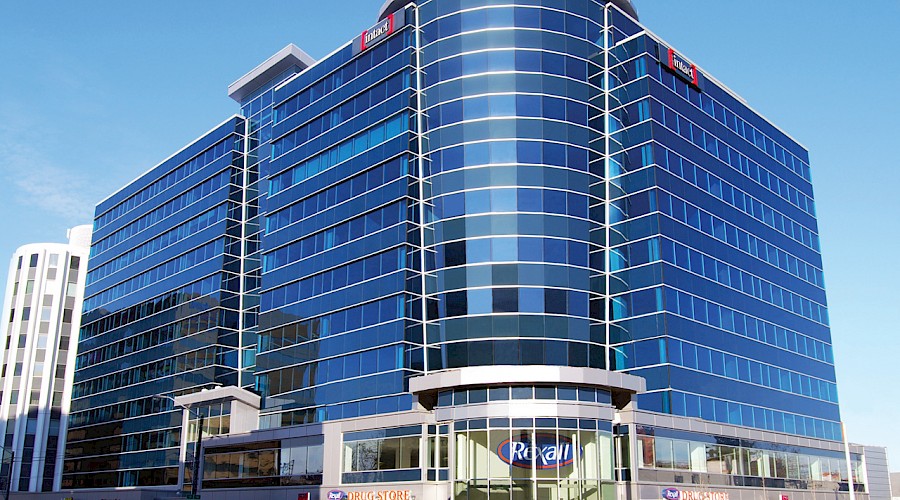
column 195, row 470
column 12, row 459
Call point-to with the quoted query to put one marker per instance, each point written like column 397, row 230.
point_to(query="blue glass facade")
column 513, row 101
column 161, row 312
column 716, row 289
column 714, row 275
column 340, row 322
column 537, row 182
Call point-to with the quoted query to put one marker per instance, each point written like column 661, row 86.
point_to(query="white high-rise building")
column 41, row 313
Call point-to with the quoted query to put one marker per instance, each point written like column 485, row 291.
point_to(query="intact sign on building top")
column 684, row 69
column 380, row 32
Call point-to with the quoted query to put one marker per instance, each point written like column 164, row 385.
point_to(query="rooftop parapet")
column 269, row 69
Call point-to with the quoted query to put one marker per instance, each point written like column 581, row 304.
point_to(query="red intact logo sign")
column 685, row 70
column 377, row 33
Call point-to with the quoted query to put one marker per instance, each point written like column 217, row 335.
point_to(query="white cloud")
column 32, row 180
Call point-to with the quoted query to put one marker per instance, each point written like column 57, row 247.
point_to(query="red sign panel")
column 379, row 32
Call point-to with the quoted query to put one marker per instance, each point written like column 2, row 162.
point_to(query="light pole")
column 12, row 459
column 195, row 468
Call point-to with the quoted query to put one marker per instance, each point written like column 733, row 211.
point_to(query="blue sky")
column 92, row 94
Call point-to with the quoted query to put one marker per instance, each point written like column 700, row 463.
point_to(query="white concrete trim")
column 528, row 374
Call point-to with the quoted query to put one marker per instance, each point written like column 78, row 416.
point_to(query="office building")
column 44, row 292
column 163, row 311
column 526, row 250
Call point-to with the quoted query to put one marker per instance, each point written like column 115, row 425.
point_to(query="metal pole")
column 195, row 480
column 12, row 459
column 851, row 486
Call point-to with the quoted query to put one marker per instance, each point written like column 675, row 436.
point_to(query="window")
column 667, row 453
column 381, row 454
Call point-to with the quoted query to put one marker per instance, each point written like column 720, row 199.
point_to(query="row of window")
column 515, row 249
column 179, row 264
column 335, row 344
column 729, row 412
column 92, row 325
column 561, row 393
column 738, row 125
column 709, row 105
column 590, row 9
column 365, row 315
column 785, row 261
column 158, row 243
column 508, row 105
column 336, row 78
column 494, row 200
column 710, row 144
column 496, row 132
column 336, row 154
column 312, row 137
column 680, row 454
column 334, row 394
column 507, row 300
column 748, row 370
column 52, row 261
column 170, row 179
column 749, row 168
column 510, row 152
column 381, row 454
column 322, row 371
column 765, row 291
column 730, row 320
column 152, row 440
column 703, row 311
column 71, row 289
column 703, row 221
column 118, row 411
column 37, row 369
column 723, row 364
column 296, row 460
column 98, row 475
column 474, row 63
column 350, row 108
column 738, row 199
column 170, row 207
column 338, row 194
column 507, row 17
column 163, row 368
column 150, row 338
column 647, row 251
column 744, row 202
column 348, row 231
column 369, row 88
column 352, row 409
column 335, row 279
column 732, row 277
column 518, row 352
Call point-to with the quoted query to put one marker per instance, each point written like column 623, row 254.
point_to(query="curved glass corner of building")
column 514, row 121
